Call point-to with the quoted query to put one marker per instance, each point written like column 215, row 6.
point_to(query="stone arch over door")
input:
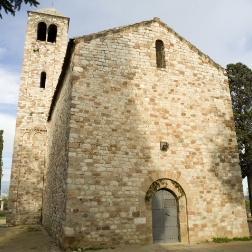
column 173, row 182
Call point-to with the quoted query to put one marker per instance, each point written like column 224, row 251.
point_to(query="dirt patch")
column 26, row 238
column 35, row 238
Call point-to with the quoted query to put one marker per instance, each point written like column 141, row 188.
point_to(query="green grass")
column 246, row 238
column 32, row 229
column 2, row 214
column 221, row 239
column 92, row 248
column 225, row 239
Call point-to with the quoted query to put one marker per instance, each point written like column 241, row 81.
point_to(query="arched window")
column 52, row 33
column 160, row 54
column 41, row 31
column 42, row 80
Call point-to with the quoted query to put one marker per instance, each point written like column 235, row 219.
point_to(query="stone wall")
column 111, row 109
column 28, row 164
column 54, row 203
column 122, row 107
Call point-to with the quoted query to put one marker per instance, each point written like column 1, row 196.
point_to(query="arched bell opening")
column 41, row 31
column 52, row 33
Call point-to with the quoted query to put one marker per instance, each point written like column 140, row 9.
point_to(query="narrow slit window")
column 41, row 31
column 42, row 80
column 160, row 54
column 52, row 33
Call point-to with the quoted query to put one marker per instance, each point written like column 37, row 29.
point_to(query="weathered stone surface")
column 111, row 108
column 28, row 165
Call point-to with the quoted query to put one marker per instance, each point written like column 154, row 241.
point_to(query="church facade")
column 125, row 136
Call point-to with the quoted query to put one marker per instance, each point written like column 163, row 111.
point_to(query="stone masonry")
column 111, row 109
column 28, row 163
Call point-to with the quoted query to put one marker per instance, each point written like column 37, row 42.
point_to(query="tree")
column 5, row 200
column 1, row 160
column 247, row 204
column 10, row 6
column 240, row 83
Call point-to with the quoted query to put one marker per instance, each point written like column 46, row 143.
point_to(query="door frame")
column 177, row 209
column 173, row 182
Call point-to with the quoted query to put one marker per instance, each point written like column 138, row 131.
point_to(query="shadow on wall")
column 122, row 107
column 25, row 207
column 250, row 227
column 225, row 181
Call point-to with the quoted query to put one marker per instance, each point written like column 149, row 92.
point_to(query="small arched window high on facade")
column 52, row 33
column 160, row 54
column 42, row 80
column 41, row 31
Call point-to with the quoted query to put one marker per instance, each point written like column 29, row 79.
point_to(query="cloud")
column 215, row 27
column 7, row 161
column 7, row 124
column 220, row 29
column 9, row 86
column 2, row 52
column 245, row 186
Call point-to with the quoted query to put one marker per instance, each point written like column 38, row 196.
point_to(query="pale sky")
column 222, row 29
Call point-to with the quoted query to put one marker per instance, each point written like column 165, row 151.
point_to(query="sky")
column 219, row 28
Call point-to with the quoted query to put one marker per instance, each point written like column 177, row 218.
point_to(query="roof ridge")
column 49, row 11
column 88, row 38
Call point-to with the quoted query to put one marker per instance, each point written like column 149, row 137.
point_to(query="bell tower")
column 45, row 47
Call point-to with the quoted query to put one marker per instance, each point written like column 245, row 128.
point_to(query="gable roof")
column 134, row 27
column 49, row 11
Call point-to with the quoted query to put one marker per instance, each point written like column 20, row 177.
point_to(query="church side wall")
column 122, row 107
column 54, row 201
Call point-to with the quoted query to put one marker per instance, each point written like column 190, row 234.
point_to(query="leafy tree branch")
column 10, row 6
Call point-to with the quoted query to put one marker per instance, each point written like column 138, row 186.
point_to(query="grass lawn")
column 2, row 216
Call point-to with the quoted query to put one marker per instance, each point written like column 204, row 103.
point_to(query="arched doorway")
column 165, row 226
column 172, row 182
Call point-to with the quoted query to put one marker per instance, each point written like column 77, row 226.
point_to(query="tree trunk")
column 249, row 178
column 1, row 170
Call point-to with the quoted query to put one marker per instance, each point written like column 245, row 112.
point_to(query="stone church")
column 125, row 136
